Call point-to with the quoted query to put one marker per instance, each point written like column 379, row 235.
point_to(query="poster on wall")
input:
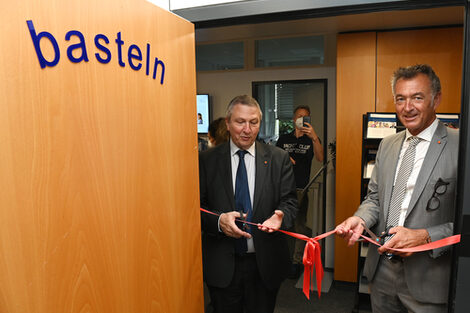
column 380, row 125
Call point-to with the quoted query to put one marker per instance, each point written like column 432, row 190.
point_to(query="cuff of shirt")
column 218, row 223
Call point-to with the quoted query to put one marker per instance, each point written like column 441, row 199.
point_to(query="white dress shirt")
column 421, row 150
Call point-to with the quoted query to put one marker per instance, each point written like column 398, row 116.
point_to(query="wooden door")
column 98, row 190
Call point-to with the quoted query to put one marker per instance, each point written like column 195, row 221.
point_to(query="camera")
column 306, row 119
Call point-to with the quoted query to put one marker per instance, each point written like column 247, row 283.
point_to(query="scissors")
column 242, row 225
column 380, row 239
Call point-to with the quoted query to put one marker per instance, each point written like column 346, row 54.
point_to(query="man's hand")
column 228, row 226
column 309, row 131
column 317, row 146
column 404, row 238
column 350, row 230
column 273, row 223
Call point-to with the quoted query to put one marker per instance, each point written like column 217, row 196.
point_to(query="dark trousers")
column 246, row 293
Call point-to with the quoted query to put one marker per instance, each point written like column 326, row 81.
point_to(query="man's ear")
column 437, row 100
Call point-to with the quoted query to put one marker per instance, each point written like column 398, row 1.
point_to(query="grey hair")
column 412, row 71
column 245, row 100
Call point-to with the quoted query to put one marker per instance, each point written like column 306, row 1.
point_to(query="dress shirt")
column 421, row 150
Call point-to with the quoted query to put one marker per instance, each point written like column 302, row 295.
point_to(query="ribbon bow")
column 311, row 260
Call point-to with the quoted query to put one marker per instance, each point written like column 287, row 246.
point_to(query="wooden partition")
column 441, row 48
column 99, row 190
column 355, row 95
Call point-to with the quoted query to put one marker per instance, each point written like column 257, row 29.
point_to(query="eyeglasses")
column 439, row 189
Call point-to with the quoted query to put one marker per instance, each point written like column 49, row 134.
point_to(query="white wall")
column 224, row 85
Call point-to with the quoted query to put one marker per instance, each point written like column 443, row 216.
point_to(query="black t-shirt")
column 301, row 150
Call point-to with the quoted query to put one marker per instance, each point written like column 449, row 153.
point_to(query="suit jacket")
column 427, row 274
column 274, row 190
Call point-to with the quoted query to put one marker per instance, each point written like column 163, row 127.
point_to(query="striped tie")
column 403, row 175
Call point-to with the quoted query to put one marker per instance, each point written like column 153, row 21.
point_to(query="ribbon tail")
column 308, row 267
column 306, row 286
column 318, row 268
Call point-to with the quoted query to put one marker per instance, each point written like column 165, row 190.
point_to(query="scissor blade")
column 371, row 234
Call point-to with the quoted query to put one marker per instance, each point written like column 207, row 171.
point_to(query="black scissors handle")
column 386, row 234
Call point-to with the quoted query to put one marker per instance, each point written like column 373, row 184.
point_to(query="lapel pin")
column 439, row 142
column 265, row 162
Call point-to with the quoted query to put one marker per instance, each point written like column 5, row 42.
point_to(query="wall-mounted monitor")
column 203, row 114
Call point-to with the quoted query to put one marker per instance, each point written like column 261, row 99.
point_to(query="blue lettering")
column 157, row 62
column 36, row 39
column 119, row 44
column 137, row 56
column 81, row 45
column 103, row 54
column 102, row 48
column 147, row 65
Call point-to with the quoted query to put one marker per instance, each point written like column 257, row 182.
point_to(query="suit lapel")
column 438, row 142
column 225, row 168
column 262, row 160
column 391, row 161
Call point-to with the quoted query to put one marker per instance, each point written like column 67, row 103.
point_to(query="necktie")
column 403, row 175
column 242, row 196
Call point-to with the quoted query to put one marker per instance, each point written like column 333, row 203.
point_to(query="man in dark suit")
column 416, row 205
column 244, row 266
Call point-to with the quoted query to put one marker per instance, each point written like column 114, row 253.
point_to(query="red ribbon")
column 312, row 252
column 428, row 246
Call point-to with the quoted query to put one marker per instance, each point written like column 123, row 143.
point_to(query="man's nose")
column 409, row 104
column 247, row 127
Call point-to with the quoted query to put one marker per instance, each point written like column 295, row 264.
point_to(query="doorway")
column 278, row 100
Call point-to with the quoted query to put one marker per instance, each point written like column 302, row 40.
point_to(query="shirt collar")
column 234, row 148
column 425, row 134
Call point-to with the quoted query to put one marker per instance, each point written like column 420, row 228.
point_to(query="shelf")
column 369, row 153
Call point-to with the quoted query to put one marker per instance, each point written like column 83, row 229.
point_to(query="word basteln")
column 134, row 53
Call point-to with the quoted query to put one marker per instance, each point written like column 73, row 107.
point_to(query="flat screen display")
column 203, row 118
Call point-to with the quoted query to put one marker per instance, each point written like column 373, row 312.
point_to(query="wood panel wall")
column 99, row 192
column 355, row 94
column 365, row 64
column 441, row 48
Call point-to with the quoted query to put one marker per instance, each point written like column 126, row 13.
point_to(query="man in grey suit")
column 244, row 267
column 424, row 212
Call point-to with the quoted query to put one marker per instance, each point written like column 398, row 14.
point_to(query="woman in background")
column 217, row 132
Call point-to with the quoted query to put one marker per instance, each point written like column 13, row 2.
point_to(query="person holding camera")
column 303, row 144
